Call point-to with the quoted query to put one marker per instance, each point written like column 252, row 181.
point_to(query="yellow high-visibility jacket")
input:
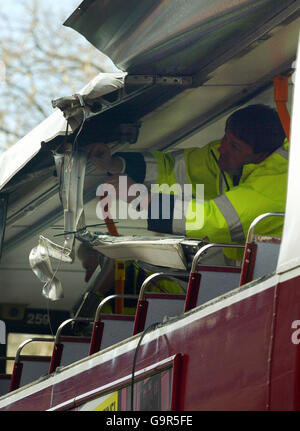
column 227, row 211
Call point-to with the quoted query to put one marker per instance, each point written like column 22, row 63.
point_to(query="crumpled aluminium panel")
column 159, row 251
column 70, row 168
column 71, row 172
column 40, row 263
column 80, row 106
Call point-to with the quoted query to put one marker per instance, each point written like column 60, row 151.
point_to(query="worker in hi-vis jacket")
column 244, row 175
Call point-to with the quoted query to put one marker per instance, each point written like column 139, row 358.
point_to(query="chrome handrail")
column 107, row 299
column 257, row 220
column 29, row 340
column 66, row 322
column 203, row 249
column 150, row 278
column 87, row 319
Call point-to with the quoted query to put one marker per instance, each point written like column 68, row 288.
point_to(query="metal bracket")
column 181, row 81
column 128, row 133
column 72, row 105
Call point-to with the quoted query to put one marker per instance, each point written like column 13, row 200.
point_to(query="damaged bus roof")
column 209, row 56
column 182, row 71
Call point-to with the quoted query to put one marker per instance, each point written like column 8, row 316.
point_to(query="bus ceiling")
column 209, row 55
column 221, row 53
column 174, row 37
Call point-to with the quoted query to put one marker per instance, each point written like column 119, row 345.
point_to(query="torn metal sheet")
column 155, row 251
column 71, row 172
column 89, row 101
column 17, row 156
column 40, row 263
column 20, row 154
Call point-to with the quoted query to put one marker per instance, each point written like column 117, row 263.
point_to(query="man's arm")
column 154, row 167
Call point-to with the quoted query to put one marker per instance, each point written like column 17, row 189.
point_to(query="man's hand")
column 100, row 156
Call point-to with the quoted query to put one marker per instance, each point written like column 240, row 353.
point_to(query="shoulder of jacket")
column 271, row 165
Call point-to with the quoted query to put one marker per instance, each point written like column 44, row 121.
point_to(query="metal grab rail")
column 195, row 277
column 142, row 307
column 96, row 334
column 203, row 249
column 99, row 326
column 18, row 366
column 66, row 322
column 251, row 248
column 58, row 347
column 256, row 221
column 108, row 299
column 157, row 275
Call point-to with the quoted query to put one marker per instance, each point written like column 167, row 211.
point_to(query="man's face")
column 234, row 153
